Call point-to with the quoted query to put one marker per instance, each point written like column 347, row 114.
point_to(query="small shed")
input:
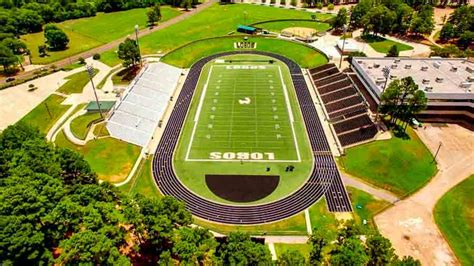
column 246, row 29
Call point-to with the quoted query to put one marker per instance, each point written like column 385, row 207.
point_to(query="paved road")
column 112, row 44
column 377, row 192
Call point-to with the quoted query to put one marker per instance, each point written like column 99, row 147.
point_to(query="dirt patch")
column 242, row 188
column 300, row 32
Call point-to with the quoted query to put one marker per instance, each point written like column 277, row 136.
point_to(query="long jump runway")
column 324, row 179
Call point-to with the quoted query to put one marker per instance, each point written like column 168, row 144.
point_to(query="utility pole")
column 90, row 71
column 138, row 45
column 47, row 109
column 436, row 154
column 344, row 29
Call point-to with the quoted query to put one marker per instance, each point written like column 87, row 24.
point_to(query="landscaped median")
column 45, row 114
column 401, row 165
column 383, row 45
column 81, row 125
column 454, row 216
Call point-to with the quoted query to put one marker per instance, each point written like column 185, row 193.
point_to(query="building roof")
column 104, row 106
column 247, row 28
column 440, row 78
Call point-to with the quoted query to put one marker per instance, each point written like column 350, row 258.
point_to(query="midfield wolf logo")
column 246, row 100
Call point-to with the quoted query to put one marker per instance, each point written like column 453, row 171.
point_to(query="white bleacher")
column 136, row 116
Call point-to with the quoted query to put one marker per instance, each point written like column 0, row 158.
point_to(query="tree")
column 42, row 50
column 291, row 258
column 466, row 39
column 239, row 249
column 423, row 22
column 129, row 53
column 16, row 46
column 447, row 32
column 7, row 58
column 293, row 2
column 186, row 4
column 378, row 20
column 407, row 261
column 90, row 247
column 393, row 52
column 404, row 15
column 154, row 14
column 194, row 246
column 402, row 99
column 56, row 39
column 317, row 241
column 75, row 170
column 350, row 252
column 358, row 12
column 340, row 20
column 380, row 250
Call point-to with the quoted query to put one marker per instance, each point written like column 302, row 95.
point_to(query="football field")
column 244, row 114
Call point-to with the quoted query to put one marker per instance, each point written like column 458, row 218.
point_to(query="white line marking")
column 196, row 117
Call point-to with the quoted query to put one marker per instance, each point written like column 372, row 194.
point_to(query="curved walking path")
column 112, row 44
column 374, row 191
column 410, row 224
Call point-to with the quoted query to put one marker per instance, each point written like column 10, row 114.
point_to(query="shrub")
column 331, row 7
column 355, row 54
column 96, row 56
column 282, row 2
column 393, row 52
column 82, row 61
column 319, row 5
column 293, row 2
column 272, row 2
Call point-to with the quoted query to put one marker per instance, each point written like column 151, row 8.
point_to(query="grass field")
column 295, row 225
column 383, row 45
column 185, row 56
column 87, row 33
column 76, row 82
column 304, row 249
column 192, row 173
column 399, row 165
column 454, row 215
column 79, row 125
column 143, row 183
column 40, row 117
column 244, row 110
column 278, row 26
column 110, row 158
column 365, row 206
column 217, row 20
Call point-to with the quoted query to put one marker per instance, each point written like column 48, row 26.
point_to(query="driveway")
column 410, row 224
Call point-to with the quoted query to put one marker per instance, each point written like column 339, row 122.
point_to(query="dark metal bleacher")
column 346, row 108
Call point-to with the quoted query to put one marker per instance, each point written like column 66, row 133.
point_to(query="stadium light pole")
column 90, row 71
column 344, row 29
column 138, row 45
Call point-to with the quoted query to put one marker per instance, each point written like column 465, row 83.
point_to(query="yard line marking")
column 196, row 116
column 290, row 113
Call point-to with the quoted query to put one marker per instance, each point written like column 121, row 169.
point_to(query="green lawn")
column 110, row 58
column 383, row 45
column 320, row 217
column 42, row 119
column 143, row 183
column 278, row 26
column 365, row 206
column 217, row 20
column 110, row 158
column 76, row 82
column 185, row 56
column 454, row 215
column 399, row 165
column 79, row 126
column 87, row 33
column 192, row 173
column 304, row 249
column 295, row 225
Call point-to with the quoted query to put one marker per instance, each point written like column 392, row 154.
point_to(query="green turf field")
column 454, row 214
column 244, row 114
column 185, row 56
column 192, row 173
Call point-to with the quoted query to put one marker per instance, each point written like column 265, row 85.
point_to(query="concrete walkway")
column 410, row 224
column 374, row 191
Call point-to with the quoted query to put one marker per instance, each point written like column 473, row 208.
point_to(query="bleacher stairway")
column 345, row 107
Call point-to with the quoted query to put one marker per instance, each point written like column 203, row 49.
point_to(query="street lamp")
column 136, row 40
column 90, row 71
column 344, row 29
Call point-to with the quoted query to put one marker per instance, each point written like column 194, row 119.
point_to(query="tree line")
column 459, row 27
column 54, row 211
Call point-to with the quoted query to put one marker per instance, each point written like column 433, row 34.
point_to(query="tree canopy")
column 129, row 52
